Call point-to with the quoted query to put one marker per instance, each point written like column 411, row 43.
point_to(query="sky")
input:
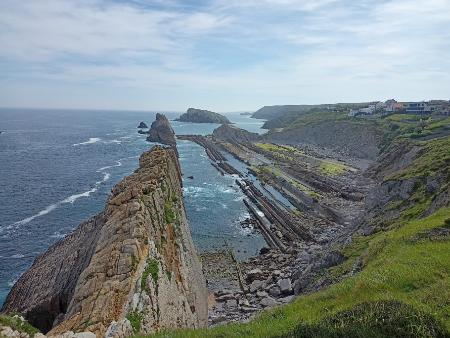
column 223, row 55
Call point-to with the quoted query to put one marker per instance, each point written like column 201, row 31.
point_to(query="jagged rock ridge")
column 161, row 131
column 202, row 116
column 135, row 260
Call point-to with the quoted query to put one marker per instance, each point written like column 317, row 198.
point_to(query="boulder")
column 254, row 274
column 268, row 302
column 142, row 125
column 256, row 285
column 285, row 286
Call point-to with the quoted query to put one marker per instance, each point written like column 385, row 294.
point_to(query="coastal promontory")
column 132, row 268
column 202, row 116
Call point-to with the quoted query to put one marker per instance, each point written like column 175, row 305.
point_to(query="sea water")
column 57, row 168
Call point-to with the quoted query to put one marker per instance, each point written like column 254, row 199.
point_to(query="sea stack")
column 202, row 116
column 132, row 268
column 142, row 125
column 161, row 131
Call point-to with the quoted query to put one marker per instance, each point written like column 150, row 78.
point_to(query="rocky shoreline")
column 300, row 244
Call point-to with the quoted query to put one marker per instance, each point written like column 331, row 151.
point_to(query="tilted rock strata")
column 202, row 116
column 136, row 260
column 360, row 141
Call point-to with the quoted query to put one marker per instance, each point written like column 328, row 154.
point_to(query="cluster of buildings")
column 437, row 107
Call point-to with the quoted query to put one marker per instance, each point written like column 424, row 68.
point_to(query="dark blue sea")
column 57, row 168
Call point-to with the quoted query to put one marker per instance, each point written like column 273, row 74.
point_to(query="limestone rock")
column 268, row 302
column 202, row 116
column 161, row 131
column 285, row 286
column 134, row 259
column 230, row 133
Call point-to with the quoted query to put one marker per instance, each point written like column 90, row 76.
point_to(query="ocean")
column 57, row 168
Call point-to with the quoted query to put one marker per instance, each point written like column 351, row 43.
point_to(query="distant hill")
column 283, row 115
column 202, row 116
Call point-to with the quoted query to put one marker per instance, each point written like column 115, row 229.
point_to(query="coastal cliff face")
column 356, row 140
column 231, row 133
column 161, row 131
column 202, row 116
column 133, row 268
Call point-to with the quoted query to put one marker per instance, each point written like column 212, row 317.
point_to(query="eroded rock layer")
column 132, row 268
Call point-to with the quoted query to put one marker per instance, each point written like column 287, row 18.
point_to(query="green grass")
column 435, row 124
column 435, row 157
column 151, row 269
column 282, row 152
column 403, row 117
column 271, row 147
column 397, row 268
column 135, row 319
column 317, row 117
column 169, row 213
column 373, row 320
column 332, row 168
column 15, row 323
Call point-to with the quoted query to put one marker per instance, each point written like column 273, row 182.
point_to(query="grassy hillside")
column 410, row 264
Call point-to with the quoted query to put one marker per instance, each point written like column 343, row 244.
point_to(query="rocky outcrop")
column 132, row 268
column 161, row 131
column 230, row 133
column 344, row 137
column 142, row 125
column 202, row 116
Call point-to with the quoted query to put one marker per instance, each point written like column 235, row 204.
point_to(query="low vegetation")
column 332, row 168
column 135, row 319
column 169, row 213
column 151, row 269
column 16, row 322
column 397, row 268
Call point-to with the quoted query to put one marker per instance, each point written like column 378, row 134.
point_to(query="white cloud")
column 276, row 51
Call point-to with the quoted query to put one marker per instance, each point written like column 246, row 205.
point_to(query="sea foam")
column 90, row 141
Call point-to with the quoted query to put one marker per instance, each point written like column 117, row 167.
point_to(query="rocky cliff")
column 354, row 139
column 161, row 131
column 132, row 268
column 233, row 134
column 202, row 116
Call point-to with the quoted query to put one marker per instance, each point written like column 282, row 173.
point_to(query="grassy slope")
column 401, row 265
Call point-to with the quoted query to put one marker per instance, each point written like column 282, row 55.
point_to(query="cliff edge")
column 132, row 268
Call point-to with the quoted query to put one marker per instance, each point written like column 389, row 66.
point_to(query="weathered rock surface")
column 360, row 141
column 230, row 133
column 202, row 116
column 142, row 125
column 161, row 131
column 134, row 260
